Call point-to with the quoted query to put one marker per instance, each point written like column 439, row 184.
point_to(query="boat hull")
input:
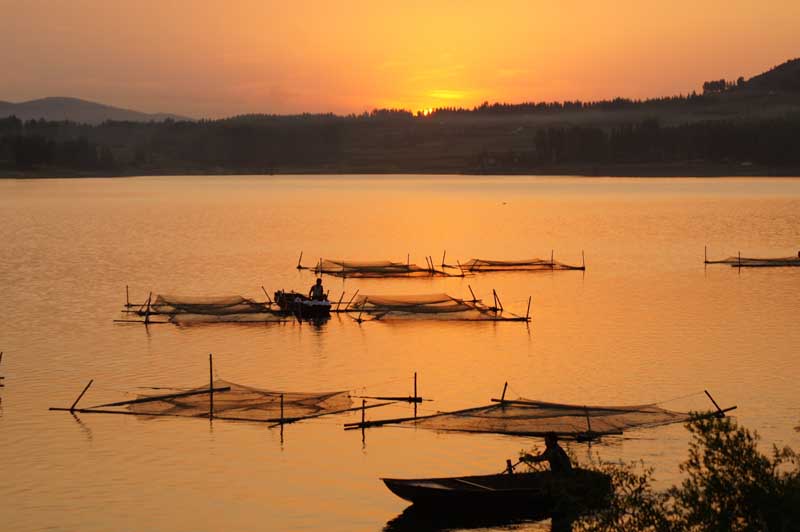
column 539, row 493
column 301, row 306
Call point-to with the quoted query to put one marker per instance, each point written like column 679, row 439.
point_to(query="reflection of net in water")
column 537, row 418
column 244, row 403
column 221, row 309
column 428, row 306
column 378, row 268
column 486, row 265
column 752, row 262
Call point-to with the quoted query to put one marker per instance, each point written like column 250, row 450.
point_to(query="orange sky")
column 219, row 58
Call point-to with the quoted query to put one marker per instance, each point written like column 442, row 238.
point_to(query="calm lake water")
column 647, row 322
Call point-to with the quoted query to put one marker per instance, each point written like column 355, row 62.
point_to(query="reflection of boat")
column 539, row 492
column 416, row 518
column 302, row 306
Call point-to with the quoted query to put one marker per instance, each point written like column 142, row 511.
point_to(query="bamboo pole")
column 499, row 302
column 443, row 256
column 281, row 421
column 415, row 387
column 299, row 267
column 210, row 386
column 705, row 254
column 361, row 309
column 147, row 312
column 474, row 299
column 583, row 260
column 72, row 408
column 363, row 411
column 163, row 397
column 588, row 420
column 503, row 395
column 392, row 398
column 351, row 300
column 287, row 420
column 528, row 312
column 127, row 298
column 381, row 422
column 339, row 302
column 269, row 300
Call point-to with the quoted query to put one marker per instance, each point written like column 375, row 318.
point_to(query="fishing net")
column 536, row 418
column 486, row 265
column 239, row 403
column 751, row 262
column 184, row 310
column 429, row 306
column 378, row 268
column 206, row 305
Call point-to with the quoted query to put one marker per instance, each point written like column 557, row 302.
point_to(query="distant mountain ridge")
column 56, row 108
column 784, row 77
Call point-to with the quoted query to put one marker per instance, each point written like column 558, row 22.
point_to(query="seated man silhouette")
column 317, row 292
column 553, row 453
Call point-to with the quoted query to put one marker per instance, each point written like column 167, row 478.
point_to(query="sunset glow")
column 215, row 58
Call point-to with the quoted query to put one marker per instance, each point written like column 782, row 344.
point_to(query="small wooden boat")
column 539, row 492
column 302, row 306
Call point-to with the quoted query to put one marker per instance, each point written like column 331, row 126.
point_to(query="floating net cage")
column 753, row 262
column 219, row 309
column 428, row 306
column 486, row 265
column 524, row 417
column 237, row 402
column 377, row 269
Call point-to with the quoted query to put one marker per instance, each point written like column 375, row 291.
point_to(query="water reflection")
column 418, row 519
column 84, row 427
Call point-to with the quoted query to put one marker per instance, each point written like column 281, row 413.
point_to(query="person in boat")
column 317, row 292
column 553, row 453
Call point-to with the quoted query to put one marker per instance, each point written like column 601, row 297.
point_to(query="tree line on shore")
column 391, row 140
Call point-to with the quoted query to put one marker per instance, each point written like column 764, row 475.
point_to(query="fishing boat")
column 302, row 306
column 538, row 492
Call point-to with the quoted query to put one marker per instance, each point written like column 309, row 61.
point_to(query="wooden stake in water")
column 281, row 410
column 474, row 299
column 443, row 256
column 415, row 385
column 503, row 396
column 363, row 411
column 583, row 260
column 528, row 312
column 361, row 310
column 72, row 408
column 210, row 386
column 299, row 267
column 147, row 312
column 351, row 300
column 266, row 294
column 588, row 421
column 552, row 264
column 339, row 302
column 127, row 298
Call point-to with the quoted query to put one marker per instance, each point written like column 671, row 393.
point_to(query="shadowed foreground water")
column 645, row 323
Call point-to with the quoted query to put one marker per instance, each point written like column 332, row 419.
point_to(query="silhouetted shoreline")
column 619, row 170
column 743, row 128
